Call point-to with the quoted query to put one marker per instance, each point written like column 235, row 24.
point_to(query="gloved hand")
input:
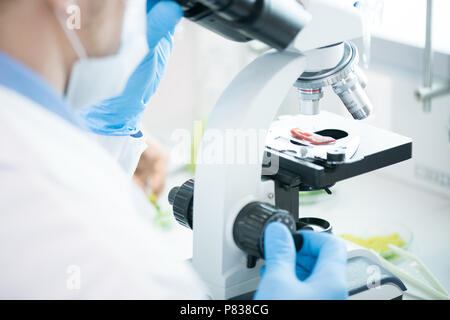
column 121, row 116
column 317, row 271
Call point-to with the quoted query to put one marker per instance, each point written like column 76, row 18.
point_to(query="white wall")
column 392, row 89
column 201, row 67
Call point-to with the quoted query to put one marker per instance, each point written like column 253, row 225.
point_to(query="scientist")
column 73, row 224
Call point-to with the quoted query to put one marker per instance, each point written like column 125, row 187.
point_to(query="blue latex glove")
column 317, row 271
column 121, row 116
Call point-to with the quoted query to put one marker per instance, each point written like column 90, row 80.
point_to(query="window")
column 404, row 22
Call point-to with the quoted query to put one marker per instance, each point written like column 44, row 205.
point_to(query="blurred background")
column 415, row 194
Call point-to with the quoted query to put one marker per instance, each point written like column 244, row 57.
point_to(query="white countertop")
column 379, row 199
column 371, row 197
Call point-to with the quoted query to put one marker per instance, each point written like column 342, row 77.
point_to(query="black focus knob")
column 181, row 198
column 249, row 226
column 336, row 156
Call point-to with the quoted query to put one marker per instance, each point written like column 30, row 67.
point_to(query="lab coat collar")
column 20, row 78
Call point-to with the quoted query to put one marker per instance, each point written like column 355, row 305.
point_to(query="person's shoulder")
column 25, row 125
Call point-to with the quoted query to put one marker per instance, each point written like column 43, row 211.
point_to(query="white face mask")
column 93, row 80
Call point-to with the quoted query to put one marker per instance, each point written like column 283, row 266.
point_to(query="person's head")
column 32, row 32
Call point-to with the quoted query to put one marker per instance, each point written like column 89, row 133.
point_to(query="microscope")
column 230, row 203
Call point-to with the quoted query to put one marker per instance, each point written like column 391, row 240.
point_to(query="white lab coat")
column 72, row 223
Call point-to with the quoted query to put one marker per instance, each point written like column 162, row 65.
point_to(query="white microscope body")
column 241, row 187
column 251, row 102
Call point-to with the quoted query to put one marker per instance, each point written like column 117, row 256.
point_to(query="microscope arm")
column 249, row 103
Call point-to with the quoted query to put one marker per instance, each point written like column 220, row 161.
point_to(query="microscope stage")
column 366, row 148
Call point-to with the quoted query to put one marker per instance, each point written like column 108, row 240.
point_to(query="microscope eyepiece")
column 273, row 22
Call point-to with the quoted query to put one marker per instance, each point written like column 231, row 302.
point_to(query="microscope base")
column 369, row 281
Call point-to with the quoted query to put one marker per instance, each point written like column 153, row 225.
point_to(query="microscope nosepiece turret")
column 347, row 81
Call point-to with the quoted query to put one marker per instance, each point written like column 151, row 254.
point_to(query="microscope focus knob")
column 250, row 223
column 336, row 156
column 181, row 198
